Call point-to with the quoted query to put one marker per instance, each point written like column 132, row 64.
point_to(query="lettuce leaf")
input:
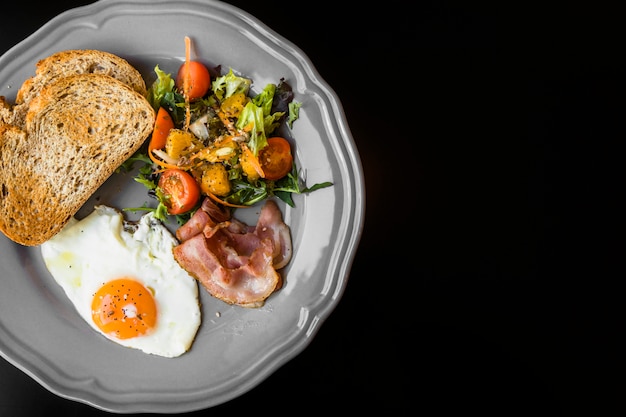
column 163, row 85
column 229, row 84
column 253, row 115
column 294, row 113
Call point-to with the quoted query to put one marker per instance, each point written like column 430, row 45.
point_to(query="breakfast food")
column 78, row 119
column 6, row 111
column 123, row 280
column 217, row 146
column 235, row 263
column 217, row 138
column 70, row 62
column 77, row 131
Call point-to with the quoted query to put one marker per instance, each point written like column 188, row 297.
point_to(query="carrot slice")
column 160, row 162
column 186, row 82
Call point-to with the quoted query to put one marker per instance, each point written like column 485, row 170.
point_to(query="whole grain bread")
column 71, row 62
column 78, row 129
column 6, row 111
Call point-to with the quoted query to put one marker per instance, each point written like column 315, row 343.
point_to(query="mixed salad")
column 214, row 138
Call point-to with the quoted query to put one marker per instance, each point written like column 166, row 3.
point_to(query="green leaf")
column 252, row 113
column 286, row 197
column 163, row 85
column 317, row 186
column 294, row 113
column 229, row 84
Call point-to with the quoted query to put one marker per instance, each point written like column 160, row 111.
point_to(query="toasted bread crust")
column 77, row 131
column 80, row 61
column 70, row 62
column 6, row 111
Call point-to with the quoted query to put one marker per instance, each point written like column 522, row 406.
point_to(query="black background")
column 489, row 274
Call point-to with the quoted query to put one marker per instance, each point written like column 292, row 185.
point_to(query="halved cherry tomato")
column 182, row 189
column 162, row 127
column 276, row 159
column 199, row 80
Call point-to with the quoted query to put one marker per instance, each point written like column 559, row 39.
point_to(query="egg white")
column 102, row 247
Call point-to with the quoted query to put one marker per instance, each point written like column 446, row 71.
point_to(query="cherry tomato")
column 162, row 127
column 275, row 159
column 182, row 189
column 199, row 79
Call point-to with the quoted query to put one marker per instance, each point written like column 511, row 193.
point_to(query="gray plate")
column 236, row 348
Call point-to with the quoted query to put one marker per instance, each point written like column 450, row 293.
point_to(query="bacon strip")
column 194, row 226
column 271, row 226
column 236, row 263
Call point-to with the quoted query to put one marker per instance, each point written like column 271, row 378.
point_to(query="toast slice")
column 6, row 111
column 70, row 62
column 78, row 130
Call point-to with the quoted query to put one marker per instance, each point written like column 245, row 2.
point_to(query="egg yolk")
column 124, row 308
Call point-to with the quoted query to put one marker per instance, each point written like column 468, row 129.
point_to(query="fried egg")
column 123, row 280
